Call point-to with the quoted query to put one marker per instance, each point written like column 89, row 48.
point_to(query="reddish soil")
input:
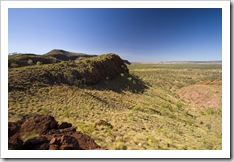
column 49, row 135
column 204, row 94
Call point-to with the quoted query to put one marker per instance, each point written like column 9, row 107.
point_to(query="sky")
column 135, row 34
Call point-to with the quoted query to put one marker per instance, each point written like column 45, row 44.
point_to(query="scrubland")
column 154, row 107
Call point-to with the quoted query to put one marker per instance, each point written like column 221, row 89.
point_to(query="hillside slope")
column 152, row 118
column 80, row 72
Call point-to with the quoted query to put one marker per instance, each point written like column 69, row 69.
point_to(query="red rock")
column 15, row 143
column 85, row 141
column 50, row 136
column 69, row 140
column 12, row 128
column 65, row 125
column 55, row 141
column 37, row 140
column 67, row 147
column 53, row 147
column 44, row 146
column 38, row 124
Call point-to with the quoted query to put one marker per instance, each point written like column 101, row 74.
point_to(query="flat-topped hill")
column 53, row 56
column 87, row 71
column 66, row 55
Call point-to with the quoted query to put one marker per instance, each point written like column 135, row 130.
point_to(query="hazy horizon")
column 136, row 34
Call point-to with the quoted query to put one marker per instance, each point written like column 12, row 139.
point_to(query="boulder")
column 50, row 135
column 36, row 143
column 12, row 128
column 65, row 125
column 38, row 124
column 15, row 143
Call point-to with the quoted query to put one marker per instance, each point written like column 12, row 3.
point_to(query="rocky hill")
column 20, row 60
column 63, row 55
column 86, row 71
column 54, row 56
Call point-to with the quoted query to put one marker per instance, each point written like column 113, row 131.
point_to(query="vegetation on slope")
column 80, row 72
column 54, row 56
column 19, row 60
column 66, row 56
column 142, row 108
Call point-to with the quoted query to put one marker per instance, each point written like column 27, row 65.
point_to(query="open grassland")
column 146, row 109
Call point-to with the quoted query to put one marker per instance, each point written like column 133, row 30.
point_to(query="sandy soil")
column 203, row 94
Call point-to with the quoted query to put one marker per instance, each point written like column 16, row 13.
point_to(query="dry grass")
column 154, row 118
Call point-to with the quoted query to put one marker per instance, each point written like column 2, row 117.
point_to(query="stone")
column 15, row 143
column 12, row 128
column 65, row 125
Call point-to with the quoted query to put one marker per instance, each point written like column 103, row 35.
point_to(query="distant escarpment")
column 63, row 55
column 86, row 71
column 54, row 56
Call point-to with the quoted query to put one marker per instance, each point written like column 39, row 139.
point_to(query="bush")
column 30, row 62
column 39, row 63
column 14, row 65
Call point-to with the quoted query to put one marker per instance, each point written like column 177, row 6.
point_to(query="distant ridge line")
column 180, row 62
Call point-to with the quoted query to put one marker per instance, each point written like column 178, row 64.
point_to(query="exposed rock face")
column 64, row 125
column 38, row 124
column 87, row 71
column 15, row 143
column 48, row 135
column 12, row 128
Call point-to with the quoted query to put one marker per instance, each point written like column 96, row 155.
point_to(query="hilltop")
column 53, row 56
column 85, row 71
column 66, row 55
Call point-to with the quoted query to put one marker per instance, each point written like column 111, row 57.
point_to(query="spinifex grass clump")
column 87, row 71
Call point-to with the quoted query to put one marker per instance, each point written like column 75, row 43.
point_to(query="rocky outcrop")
column 87, row 71
column 42, row 132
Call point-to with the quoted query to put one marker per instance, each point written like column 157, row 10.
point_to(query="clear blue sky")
column 134, row 34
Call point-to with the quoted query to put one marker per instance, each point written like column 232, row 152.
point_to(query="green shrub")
column 39, row 63
column 30, row 135
column 30, row 61
column 129, row 79
column 179, row 105
column 14, row 65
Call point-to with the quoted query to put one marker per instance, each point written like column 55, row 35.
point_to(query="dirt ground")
column 206, row 94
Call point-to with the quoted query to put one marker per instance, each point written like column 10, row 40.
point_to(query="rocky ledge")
column 42, row 132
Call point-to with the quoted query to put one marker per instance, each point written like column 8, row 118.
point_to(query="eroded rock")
column 65, row 125
column 50, row 135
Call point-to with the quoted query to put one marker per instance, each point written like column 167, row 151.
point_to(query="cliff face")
column 85, row 71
